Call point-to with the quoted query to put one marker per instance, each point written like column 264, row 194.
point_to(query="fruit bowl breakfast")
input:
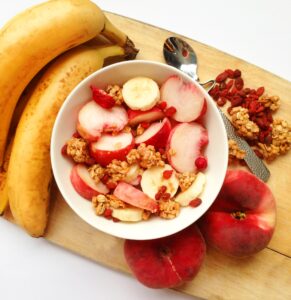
column 139, row 150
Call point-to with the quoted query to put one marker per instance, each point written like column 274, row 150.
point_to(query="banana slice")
column 152, row 179
column 141, row 93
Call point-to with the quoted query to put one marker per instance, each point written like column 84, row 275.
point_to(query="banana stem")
column 116, row 36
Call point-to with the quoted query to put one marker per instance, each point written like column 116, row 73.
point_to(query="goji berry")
column 230, row 73
column 105, row 178
column 201, row 163
column 111, row 185
column 222, row 85
column 221, row 77
column 229, row 84
column 76, row 134
column 239, row 83
column 169, row 112
column 162, row 189
column 259, row 154
column 107, row 213
column 195, row 202
column 166, row 196
column 260, row 91
column 221, row 101
column 236, row 73
column 64, row 150
column 145, row 125
column 162, row 105
column 158, row 196
column 167, row 174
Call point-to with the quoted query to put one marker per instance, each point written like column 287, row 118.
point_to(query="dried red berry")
column 169, row 112
column 158, row 196
column 195, row 202
column 236, row 73
column 107, row 213
column 201, row 163
column 102, row 98
column 259, row 154
column 76, row 134
column 260, row 91
column 64, row 150
column 230, row 73
column 115, row 220
column 162, row 189
column 229, row 84
column 222, row 85
column 162, row 105
column 145, row 125
column 167, row 174
column 105, row 178
column 221, row 101
column 166, row 196
column 162, row 151
column 111, row 185
column 239, row 83
column 221, row 77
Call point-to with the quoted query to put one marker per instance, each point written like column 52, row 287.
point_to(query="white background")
column 259, row 31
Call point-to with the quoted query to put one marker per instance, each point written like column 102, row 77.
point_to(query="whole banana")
column 29, row 172
column 33, row 38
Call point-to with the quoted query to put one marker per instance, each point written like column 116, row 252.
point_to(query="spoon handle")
column 208, row 85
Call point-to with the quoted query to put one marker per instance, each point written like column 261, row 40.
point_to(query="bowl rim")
column 58, row 180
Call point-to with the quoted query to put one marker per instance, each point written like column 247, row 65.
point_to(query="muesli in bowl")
column 139, row 149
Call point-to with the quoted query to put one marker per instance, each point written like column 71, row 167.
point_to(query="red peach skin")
column 93, row 120
column 110, row 147
column 84, row 184
column 242, row 219
column 135, row 197
column 167, row 262
column 156, row 135
column 185, row 97
column 138, row 116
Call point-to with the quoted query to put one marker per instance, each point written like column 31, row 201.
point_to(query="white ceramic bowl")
column 65, row 126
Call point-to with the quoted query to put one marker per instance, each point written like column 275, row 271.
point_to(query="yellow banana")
column 33, row 38
column 29, row 172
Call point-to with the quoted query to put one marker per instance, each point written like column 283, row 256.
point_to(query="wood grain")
column 267, row 275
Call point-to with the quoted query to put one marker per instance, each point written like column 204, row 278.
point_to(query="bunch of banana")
column 28, row 43
column 34, row 37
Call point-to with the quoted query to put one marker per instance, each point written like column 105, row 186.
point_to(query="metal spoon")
column 181, row 55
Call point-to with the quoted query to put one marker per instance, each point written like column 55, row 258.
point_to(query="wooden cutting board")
column 266, row 275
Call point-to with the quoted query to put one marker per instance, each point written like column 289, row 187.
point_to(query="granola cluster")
column 103, row 202
column 185, row 180
column 234, row 151
column 244, row 126
column 117, row 170
column 78, row 149
column 116, row 92
column 272, row 102
column 169, row 209
column 145, row 156
column 281, row 141
column 96, row 172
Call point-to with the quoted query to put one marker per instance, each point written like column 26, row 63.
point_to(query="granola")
column 78, row 149
column 145, row 156
column 116, row 92
column 96, row 172
column 281, row 141
column 185, row 180
column 169, row 209
column 117, row 170
column 241, row 121
column 272, row 102
column 234, row 151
